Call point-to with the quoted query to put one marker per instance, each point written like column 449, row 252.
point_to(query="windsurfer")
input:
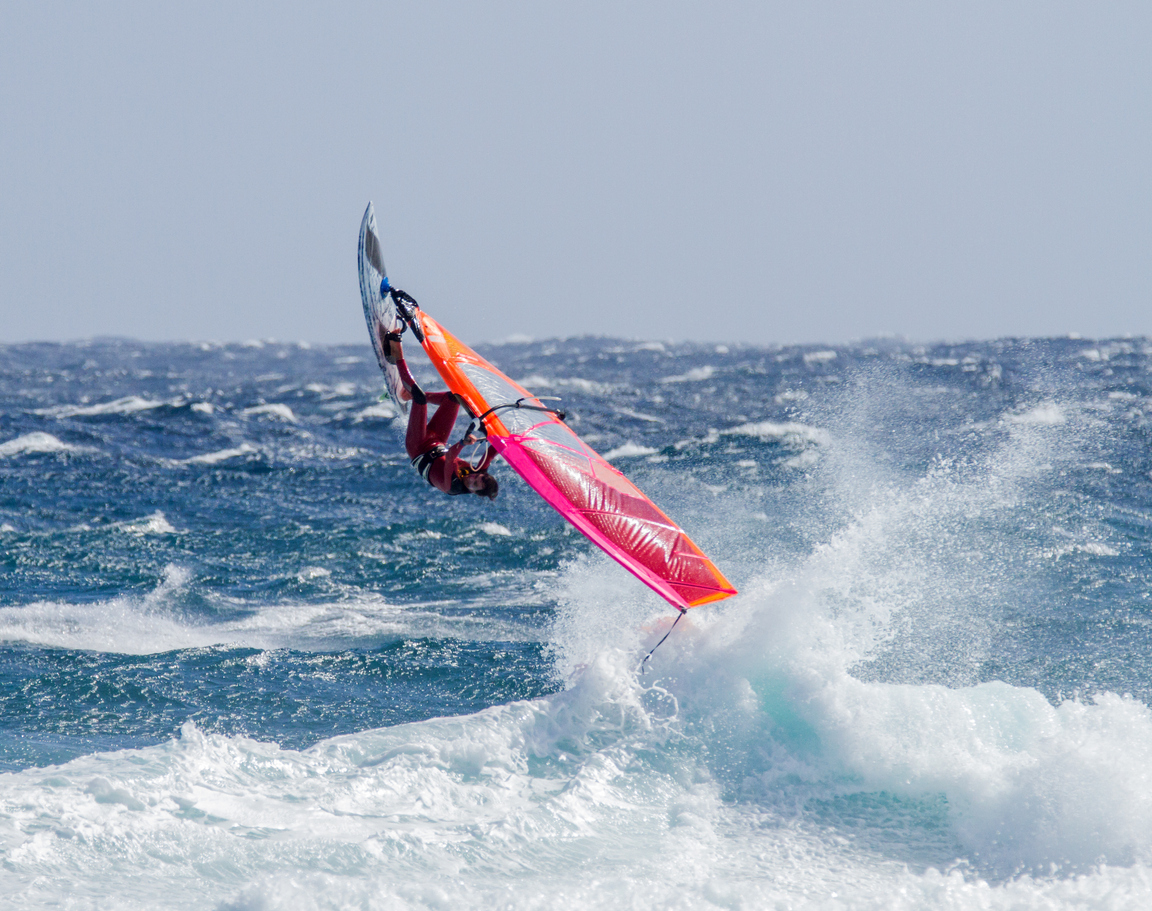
column 426, row 441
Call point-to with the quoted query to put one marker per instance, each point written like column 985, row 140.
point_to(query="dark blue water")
column 221, row 544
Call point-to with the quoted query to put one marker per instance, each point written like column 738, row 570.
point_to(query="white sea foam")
column 494, row 528
column 1048, row 414
column 131, row 404
column 154, row 524
column 340, row 390
column 695, row 375
column 36, row 441
column 602, row 777
column 1092, row 548
column 535, row 382
column 1020, row 784
column 276, row 410
column 154, row 623
column 640, row 416
column 629, row 450
column 788, row 432
column 940, row 361
column 804, row 460
column 381, row 411
column 221, row 455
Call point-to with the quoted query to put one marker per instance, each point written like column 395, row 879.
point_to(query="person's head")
column 482, row 484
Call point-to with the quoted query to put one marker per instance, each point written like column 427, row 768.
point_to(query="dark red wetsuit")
column 426, row 441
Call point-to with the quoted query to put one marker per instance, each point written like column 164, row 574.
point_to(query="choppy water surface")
column 249, row 660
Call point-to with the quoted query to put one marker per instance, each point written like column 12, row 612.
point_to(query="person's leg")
column 440, row 427
column 414, row 440
column 409, row 382
column 394, row 354
column 386, row 340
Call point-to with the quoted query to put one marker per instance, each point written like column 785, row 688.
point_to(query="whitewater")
column 248, row 660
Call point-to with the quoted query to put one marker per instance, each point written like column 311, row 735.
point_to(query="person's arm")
column 452, row 458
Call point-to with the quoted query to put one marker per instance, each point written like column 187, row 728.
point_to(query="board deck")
column 379, row 312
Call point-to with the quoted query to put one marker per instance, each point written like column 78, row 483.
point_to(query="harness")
column 423, row 464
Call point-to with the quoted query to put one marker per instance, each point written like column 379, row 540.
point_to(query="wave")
column 695, row 375
column 640, row 416
column 154, row 524
column 155, row 622
column 495, row 529
column 221, row 455
column 629, row 450
column 381, row 411
column 1048, row 414
column 573, row 382
column 131, row 404
column 33, row 442
column 276, row 410
column 603, row 794
column 782, row 689
column 787, row 432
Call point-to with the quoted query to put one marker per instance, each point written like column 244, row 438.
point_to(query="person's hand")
column 470, row 439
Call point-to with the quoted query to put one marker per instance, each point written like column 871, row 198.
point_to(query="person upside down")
column 426, row 441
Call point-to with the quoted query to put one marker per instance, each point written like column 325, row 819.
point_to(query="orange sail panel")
column 584, row 488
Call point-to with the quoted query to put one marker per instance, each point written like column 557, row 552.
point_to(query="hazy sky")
column 760, row 172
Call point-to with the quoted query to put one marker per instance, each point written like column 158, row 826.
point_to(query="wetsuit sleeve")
column 452, row 459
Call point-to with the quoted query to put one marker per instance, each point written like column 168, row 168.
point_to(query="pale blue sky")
column 758, row 172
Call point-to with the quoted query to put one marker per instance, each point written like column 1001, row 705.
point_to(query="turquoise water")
column 249, row 660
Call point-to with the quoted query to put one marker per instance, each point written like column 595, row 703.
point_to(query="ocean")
column 249, row 660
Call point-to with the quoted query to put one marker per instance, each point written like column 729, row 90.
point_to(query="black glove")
column 401, row 300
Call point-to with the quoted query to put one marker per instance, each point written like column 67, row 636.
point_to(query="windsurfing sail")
column 577, row 482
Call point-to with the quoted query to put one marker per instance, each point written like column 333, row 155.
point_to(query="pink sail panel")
column 576, row 481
